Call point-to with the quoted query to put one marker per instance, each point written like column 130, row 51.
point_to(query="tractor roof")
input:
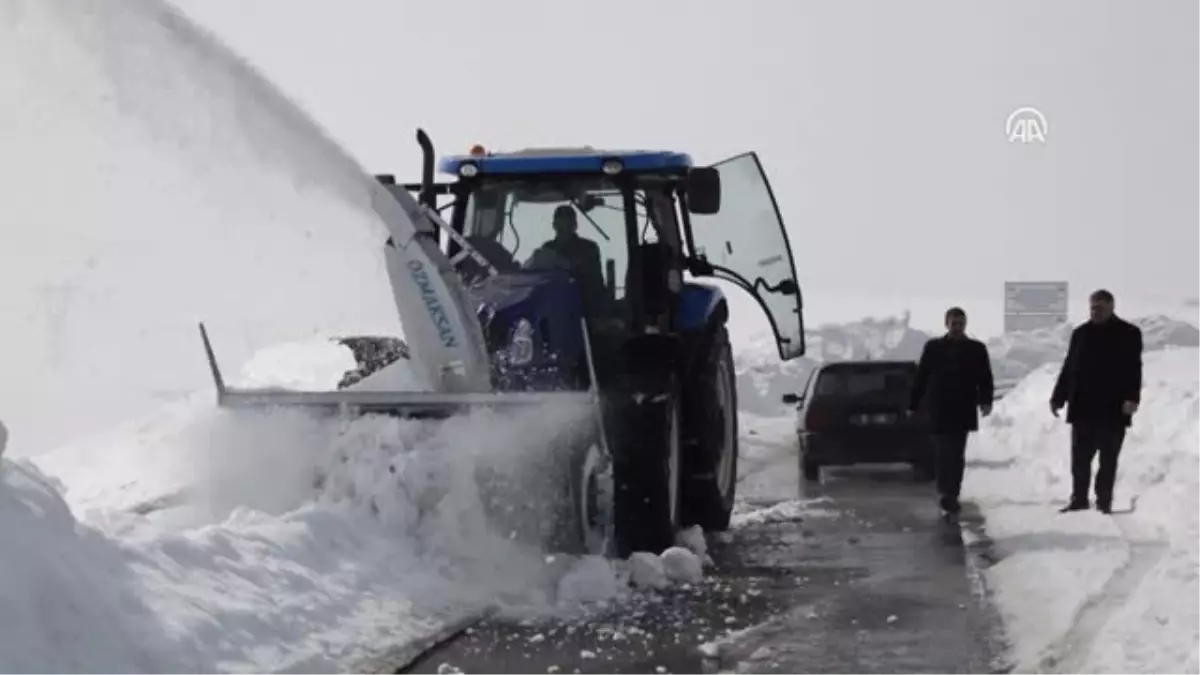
column 565, row 160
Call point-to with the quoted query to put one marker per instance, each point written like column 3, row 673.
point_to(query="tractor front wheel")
column 592, row 501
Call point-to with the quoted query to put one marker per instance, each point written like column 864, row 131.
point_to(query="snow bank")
column 762, row 379
column 1084, row 592
column 392, row 543
column 1016, row 355
column 373, row 531
column 1079, row 592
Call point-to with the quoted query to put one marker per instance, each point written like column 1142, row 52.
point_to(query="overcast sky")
column 881, row 124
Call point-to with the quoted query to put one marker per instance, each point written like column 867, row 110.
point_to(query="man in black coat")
column 956, row 373
column 1101, row 384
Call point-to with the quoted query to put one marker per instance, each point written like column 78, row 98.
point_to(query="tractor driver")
column 581, row 255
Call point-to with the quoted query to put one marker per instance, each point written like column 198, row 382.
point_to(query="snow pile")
column 1016, row 355
column 762, row 380
column 371, row 533
column 692, row 540
column 65, row 594
column 681, row 565
column 592, row 579
column 375, row 530
column 646, row 571
column 1085, row 592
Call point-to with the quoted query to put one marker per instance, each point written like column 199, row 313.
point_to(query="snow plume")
column 1084, row 592
column 155, row 180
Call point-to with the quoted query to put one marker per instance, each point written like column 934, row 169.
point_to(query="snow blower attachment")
column 559, row 277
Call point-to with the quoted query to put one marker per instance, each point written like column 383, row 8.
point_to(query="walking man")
column 955, row 372
column 1101, row 384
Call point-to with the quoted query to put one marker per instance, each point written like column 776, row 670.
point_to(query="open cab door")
column 746, row 243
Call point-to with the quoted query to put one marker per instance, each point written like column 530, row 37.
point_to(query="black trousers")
column 1087, row 440
column 951, row 461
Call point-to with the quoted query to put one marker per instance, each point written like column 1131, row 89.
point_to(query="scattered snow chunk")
column 761, row 653
column 590, row 580
column 682, row 565
column 693, row 540
column 646, row 570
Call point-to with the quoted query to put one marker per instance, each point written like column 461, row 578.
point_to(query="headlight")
column 612, row 167
column 520, row 348
column 468, row 170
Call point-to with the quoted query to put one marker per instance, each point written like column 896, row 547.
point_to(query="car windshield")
column 891, row 381
column 577, row 224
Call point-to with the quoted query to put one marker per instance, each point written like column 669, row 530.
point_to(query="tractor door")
column 746, row 243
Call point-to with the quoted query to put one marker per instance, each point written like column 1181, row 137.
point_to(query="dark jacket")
column 1103, row 369
column 956, row 374
column 583, row 257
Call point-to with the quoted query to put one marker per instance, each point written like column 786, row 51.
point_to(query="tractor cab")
column 549, row 236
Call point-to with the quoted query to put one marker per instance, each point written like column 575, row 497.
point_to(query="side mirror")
column 704, row 190
column 792, row 399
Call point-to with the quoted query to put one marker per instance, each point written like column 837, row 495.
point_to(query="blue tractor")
column 579, row 272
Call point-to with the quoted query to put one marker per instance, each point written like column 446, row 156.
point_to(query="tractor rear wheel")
column 711, row 480
column 647, row 471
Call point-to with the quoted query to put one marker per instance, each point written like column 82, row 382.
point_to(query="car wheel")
column 812, row 471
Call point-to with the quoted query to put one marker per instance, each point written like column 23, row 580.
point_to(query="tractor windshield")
column 576, row 224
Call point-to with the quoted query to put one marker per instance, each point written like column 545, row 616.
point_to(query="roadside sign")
column 1029, row 305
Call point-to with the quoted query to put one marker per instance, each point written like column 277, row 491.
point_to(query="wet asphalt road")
column 879, row 583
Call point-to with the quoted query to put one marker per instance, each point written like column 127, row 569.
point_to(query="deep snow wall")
column 151, row 180
column 762, row 379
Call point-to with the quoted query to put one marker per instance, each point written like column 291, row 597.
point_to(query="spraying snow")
column 319, row 544
column 270, row 541
column 155, row 181
column 161, row 181
column 377, row 528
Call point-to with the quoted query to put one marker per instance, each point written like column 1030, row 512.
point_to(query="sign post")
column 1030, row 305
